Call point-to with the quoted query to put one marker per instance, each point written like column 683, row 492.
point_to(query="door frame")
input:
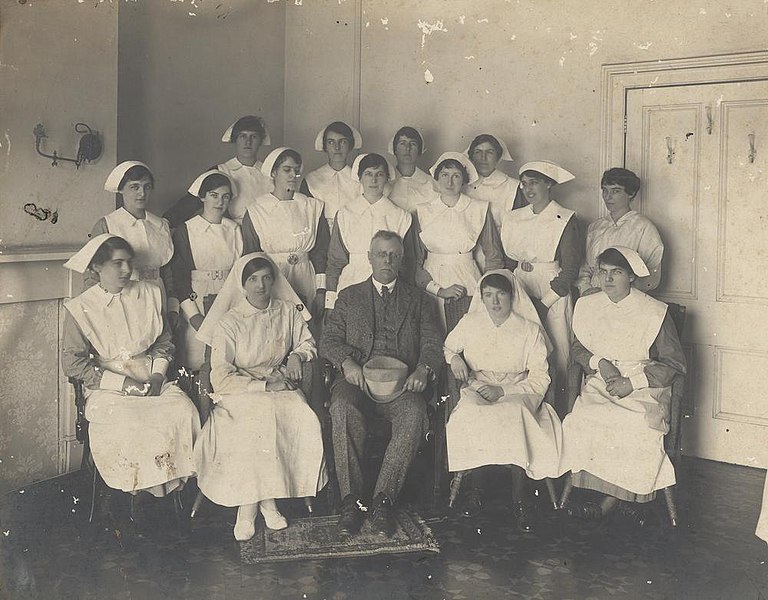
column 619, row 78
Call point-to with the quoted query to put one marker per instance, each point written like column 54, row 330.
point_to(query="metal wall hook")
column 89, row 148
column 752, row 151
column 670, row 150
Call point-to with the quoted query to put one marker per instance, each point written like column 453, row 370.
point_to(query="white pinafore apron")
column 619, row 440
column 287, row 230
column 214, row 248
column 150, row 239
column 450, row 234
column 527, row 236
column 137, row 442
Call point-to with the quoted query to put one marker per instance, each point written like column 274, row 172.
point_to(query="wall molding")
column 718, row 411
column 695, row 108
column 32, row 274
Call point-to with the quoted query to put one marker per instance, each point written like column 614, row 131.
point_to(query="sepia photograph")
column 383, row 299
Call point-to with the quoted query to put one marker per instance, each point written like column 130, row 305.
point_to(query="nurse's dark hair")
column 341, row 128
column 256, row 264
column 410, row 133
column 452, row 163
column 614, row 258
column 212, row 182
column 498, row 281
column 283, row 156
column 623, row 177
column 486, row 138
column 107, row 250
column 538, row 175
column 372, row 161
column 248, row 123
column 136, row 173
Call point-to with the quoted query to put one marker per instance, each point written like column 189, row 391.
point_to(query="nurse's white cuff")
column 594, row 362
column 320, row 281
column 189, row 308
column 639, row 381
column 330, row 299
column 160, row 365
column 550, row 298
column 257, row 385
column 433, row 287
column 173, row 304
column 304, row 355
column 112, row 381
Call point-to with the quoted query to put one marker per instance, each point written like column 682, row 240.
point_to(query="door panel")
column 705, row 187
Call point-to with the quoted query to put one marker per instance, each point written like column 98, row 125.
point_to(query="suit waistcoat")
column 384, row 333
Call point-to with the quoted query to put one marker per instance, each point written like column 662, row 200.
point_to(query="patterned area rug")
column 315, row 537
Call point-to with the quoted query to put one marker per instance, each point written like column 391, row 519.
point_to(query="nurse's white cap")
column 117, row 174
column 357, row 138
column 461, row 158
column 83, row 257
column 194, row 189
column 356, row 166
column 633, row 258
column 505, row 155
column 227, row 136
column 269, row 162
column 550, row 169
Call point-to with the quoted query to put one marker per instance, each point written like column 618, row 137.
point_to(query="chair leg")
column 550, row 483
column 94, row 483
column 196, row 504
column 178, row 503
column 669, row 496
column 455, row 486
column 567, row 489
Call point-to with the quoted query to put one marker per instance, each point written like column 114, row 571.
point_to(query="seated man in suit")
column 381, row 317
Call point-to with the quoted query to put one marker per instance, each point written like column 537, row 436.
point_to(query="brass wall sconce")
column 89, row 148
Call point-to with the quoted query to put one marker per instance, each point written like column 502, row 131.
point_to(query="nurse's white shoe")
column 245, row 526
column 272, row 516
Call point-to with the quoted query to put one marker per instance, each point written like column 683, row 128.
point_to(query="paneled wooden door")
column 702, row 154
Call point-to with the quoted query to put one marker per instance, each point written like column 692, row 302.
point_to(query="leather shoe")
column 524, row 516
column 381, row 516
column 351, row 517
column 588, row 511
column 472, row 504
column 634, row 513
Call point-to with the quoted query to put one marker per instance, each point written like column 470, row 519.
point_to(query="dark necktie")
column 385, row 295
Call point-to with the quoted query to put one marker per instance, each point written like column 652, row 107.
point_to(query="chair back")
column 673, row 439
column 81, row 423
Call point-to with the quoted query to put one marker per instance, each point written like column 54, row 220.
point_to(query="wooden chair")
column 451, row 400
column 672, row 440
column 81, row 435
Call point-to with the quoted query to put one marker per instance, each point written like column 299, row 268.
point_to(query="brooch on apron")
column 293, row 259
